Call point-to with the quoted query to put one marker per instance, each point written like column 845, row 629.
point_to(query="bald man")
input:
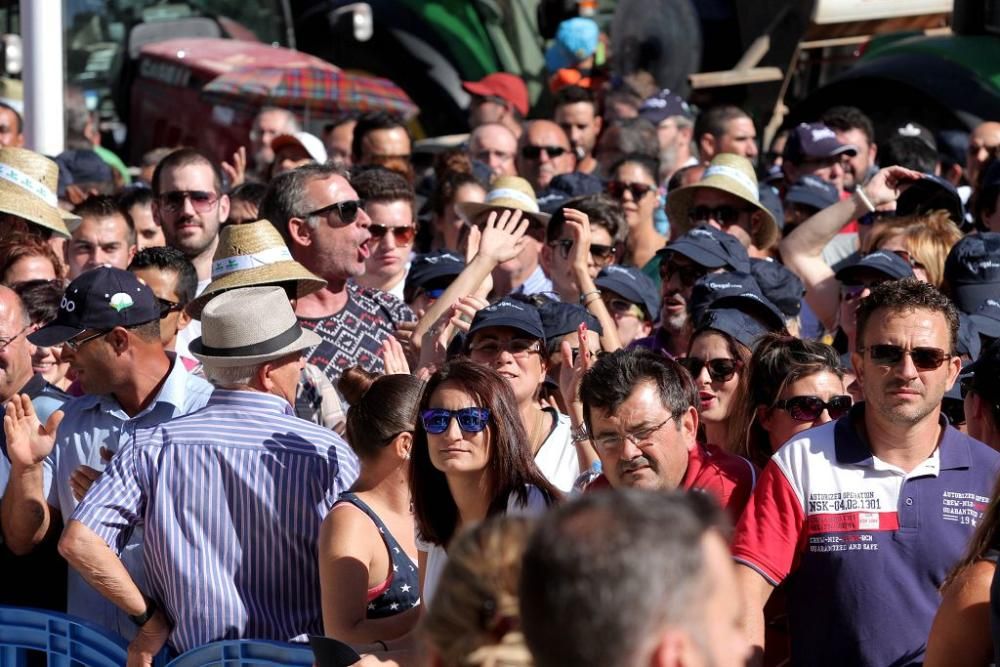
column 982, row 142
column 495, row 145
column 544, row 153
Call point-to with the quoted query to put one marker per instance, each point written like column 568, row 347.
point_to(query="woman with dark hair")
column 469, row 462
column 367, row 552
column 634, row 183
column 792, row 385
column 455, row 183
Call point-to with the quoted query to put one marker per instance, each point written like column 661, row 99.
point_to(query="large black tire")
column 662, row 37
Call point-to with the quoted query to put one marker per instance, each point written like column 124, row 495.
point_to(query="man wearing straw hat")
column 524, row 273
column 237, row 490
column 726, row 198
column 28, row 201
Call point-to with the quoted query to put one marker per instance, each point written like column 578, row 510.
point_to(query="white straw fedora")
column 506, row 192
column 249, row 326
column 28, row 185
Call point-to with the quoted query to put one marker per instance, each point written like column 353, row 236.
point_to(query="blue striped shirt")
column 232, row 498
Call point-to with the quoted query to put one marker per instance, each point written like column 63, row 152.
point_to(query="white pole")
column 42, row 39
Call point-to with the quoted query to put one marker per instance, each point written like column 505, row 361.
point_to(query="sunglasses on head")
column 689, row 274
column 347, row 211
column 924, row 358
column 617, row 189
column 598, row 251
column 727, row 215
column 402, row 235
column 719, row 370
column 809, row 408
column 201, row 201
column 530, row 152
column 470, row 420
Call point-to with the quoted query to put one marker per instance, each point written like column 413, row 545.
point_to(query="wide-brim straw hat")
column 253, row 254
column 249, row 326
column 28, row 186
column 733, row 174
column 506, row 192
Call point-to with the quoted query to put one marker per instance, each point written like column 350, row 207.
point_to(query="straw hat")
column 253, row 254
column 236, row 332
column 506, row 192
column 28, row 186
column 733, row 174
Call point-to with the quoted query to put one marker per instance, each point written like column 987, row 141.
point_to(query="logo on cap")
column 121, row 301
column 820, row 133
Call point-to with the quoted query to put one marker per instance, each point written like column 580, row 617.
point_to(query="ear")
column 765, row 416
column 646, row 328
column 673, row 649
column 132, row 249
column 689, row 426
column 706, row 144
column 183, row 320
column 598, row 125
column 118, row 338
column 155, row 206
column 857, row 360
column 224, row 205
column 300, row 232
column 545, row 258
column 955, row 368
column 263, row 378
column 403, row 444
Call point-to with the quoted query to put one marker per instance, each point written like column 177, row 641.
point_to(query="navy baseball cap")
column 559, row 319
column 737, row 323
column 770, row 200
column 931, row 193
column 983, row 372
column 564, row 187
column 511, row 313
column 100, row 299
column 664, row 105
column 433, row 267
column 714, row 286
column 632, row 285
column 809, row 141
column 889, row 264
column 968, row 343
column 812, row 191
column 918, row 131
column 755, row 304
column 987, row 318
column 781, row 287
column 711, row 248
column 972, row 270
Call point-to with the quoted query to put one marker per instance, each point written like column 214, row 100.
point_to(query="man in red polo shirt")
column 639, row 408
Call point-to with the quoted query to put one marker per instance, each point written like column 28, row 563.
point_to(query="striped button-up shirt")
column 232, row 498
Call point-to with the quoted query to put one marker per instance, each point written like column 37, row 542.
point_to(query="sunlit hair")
column 16, row 247
column 928, row 239
column 382, row 407
column 475, row 618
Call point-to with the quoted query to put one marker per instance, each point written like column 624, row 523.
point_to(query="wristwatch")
column 580, row 434
column 143, row 618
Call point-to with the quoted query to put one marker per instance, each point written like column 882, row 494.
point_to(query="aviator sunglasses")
column 924, row 358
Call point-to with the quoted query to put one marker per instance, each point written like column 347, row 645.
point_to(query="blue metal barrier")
column 244, row 653
column 63, row 639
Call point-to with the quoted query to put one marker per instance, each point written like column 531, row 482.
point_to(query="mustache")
column 634, row 464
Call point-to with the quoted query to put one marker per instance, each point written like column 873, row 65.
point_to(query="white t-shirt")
column 557, row 458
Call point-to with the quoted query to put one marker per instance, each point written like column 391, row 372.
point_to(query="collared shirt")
column 862, row 545
column 536, row 283
column 45, row 399
column 93, row 422
column 232, row 498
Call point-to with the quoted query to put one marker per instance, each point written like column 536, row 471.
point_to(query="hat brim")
column 630, row 294
column 53, row 334
column 986, row 325
column 513, row 323
column 271, row 274
column 15, row 201
column 695, row 253
column 679, row 203
column 969, row 297
column 470, row 211
column 305, row 340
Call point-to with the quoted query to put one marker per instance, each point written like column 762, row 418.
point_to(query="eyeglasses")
column 470, row 420
column 530, row 152
column 598, row 251
column 954, row 411
column 403, row 235
column 202, row 201
column 75, row 344
column 638, row 437
column 924, row 358
column 167, row 307
column 4, row 342
column 519, row 348
column 719, row 370
column 617, row 189
column 347, row 210
column 727, row 215
column 623, row 307
column 809, row 408
column 689, row 274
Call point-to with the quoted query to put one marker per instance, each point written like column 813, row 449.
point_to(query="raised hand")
column 393, row 357
column 28, row 440
column 578, row 225
column 571, row 372
column 883, row 188
column 502, row 238
column 237, row 170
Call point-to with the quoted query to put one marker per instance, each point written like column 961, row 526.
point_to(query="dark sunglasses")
column 347, row 211
column 720, row 370
column 623, row 307
column 530, row 152
column 871, row 218
column 727, row 215
column 470, row 420
column 924, row 358
column 201, row 201
column 617, row 189
column 167, row 307
column 403, row 235
column 597, row 250
column 809, row 408
column 688, row 273
column 954, row 411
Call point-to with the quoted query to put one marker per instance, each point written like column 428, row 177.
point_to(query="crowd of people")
column 614, row 385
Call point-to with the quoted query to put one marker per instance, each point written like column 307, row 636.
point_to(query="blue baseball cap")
column 972, row 270
column 712, row 248
column 812, row 191
column 100, row 299
column 968, row 343
column 987, row 318
column 576, row 40
column 887, row 263
column 781, row 287
column 511, row 313
column 632, row 285
column 559, row 319
column 808, row 141
column 436, row 268
column 564, row 187
column 664, row 105
column 714, row 286
column 737, row 323
column 931, row 193
column 755, row 304
column 770, row 200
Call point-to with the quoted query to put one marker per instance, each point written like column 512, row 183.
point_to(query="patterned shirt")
column 355, row 334
column 232, row 498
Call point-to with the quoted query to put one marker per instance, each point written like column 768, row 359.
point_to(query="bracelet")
column 860, row 191
column 143, row 618
column 580, row 434
column 583, row 297
column 382, row 644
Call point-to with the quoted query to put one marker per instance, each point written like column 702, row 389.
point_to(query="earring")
column 406, row 455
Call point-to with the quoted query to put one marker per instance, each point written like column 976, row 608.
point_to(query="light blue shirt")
column 536, row 283
column 93, row 422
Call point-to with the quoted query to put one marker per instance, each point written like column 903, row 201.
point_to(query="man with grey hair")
column 323, row 223
column 269, row 123
column 238, row 489
column 674, row 123
column 603, row 584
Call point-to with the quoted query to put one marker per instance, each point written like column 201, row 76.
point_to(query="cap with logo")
column 434, row 269
column 810, row 141
column 508, row 87
column 745, row 317
column 917, row 131
column 972, row 270
column 715, row 286
column 883, row 262
column 781, row 287
column 812, row 191
column 511, row 313
column 100, row 299
column 664, row 105
column 559, row 319
column 632, row 285
column 711, row 248
column 987, row 318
